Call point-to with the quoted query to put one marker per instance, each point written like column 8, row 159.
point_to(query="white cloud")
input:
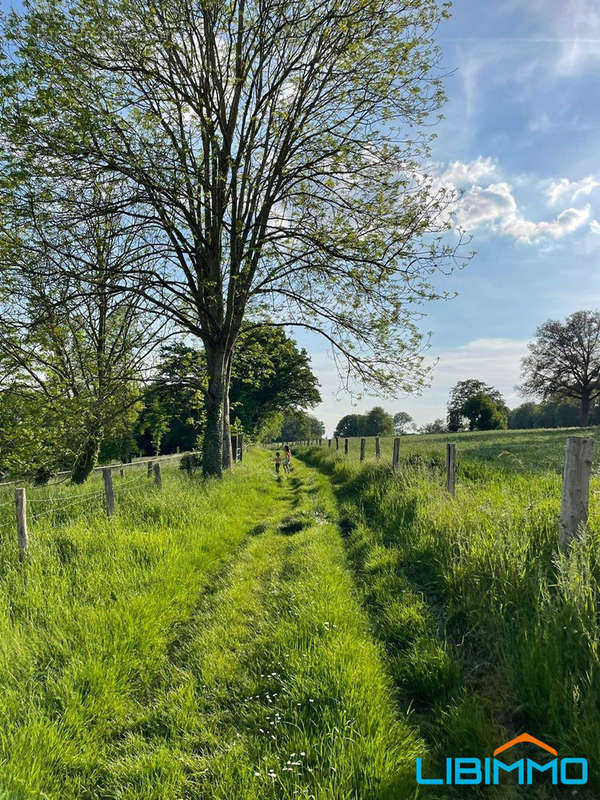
column 595, row 226
column 484, row 204
column 496, row 207
column 571, row 190
column 528, row 231
column 458, row 173
column 495, row 361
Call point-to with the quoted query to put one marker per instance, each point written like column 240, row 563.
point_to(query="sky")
column 520, row 138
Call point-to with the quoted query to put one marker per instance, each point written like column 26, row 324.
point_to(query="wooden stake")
column 377, row 448
column 363, row 444
column 121, row 472
column 150, row 468
column 576, row 488
column 337, row 443
column 157, row 475
column 396, row 455
column 451, row 468
column 21, row 507
column 345, row 447
column 109, row 495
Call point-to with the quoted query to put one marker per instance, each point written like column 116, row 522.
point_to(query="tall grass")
column 206, row 642
column 488, row 630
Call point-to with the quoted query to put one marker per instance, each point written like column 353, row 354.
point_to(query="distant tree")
column 298, row 425
column 462, row 392
column 350, row 425
column 378, row 422
column 484, row 413
column 401, row 421
column 564, row 362
column 437, row 426
column 524, row 416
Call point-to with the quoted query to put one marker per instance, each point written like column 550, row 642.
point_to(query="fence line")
column 577, row 471
column 109, row 491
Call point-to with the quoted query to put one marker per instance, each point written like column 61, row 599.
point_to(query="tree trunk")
column 87, row 458
column 227, row 449
column 585, row 411
column 212, row 445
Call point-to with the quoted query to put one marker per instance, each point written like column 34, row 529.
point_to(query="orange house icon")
column 525, row 737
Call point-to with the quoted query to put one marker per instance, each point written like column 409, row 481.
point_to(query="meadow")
column 307, row 637
column 488, row 630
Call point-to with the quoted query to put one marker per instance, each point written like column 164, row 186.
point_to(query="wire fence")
column 117, row 481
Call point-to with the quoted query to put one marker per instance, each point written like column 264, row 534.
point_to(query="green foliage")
column 270, row 375
column 549, row 415
column 376, row 422
column 461, row 398
column 298, row 425
column 484, row 413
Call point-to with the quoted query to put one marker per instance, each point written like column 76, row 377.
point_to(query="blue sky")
column 520, row 137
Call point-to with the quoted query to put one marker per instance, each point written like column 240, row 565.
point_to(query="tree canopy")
column 564, row 361
column 273, row 152
column 463, row 408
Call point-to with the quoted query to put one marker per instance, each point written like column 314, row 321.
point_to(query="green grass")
column 488, row 631
column 538, row 450
column 255, row 639
column 206, row 642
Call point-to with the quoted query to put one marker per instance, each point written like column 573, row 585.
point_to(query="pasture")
column 309, row 637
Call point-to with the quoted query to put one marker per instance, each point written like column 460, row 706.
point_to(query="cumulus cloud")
column 459, row 173
column 495, row 207
column 484, row 204
column 595, row 226
column 571, row 190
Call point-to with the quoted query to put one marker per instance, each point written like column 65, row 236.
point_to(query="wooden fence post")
column 234, row 446
column 329, row 443
column 345, row 447
column 21, row 506
column 377, row 448
column 150, row 468
column 109, row 495
column 241, row 446
column 451, row 468
column 157, row 475
column 121, row 472
column 363, row 444
column 576, row 487
column 396, row 455
column 337, row 443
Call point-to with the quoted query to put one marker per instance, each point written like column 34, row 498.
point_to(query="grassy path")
column 206, row 643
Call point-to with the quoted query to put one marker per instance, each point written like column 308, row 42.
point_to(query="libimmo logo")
column 470, row 771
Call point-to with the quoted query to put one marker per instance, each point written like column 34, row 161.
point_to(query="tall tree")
column 276, row 149
column 84, row 352
column 461, row 393
column 564, row 361
column 270, row 374
column 401, row 421
column 350, row 425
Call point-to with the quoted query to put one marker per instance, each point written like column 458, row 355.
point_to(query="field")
column 303, row 638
